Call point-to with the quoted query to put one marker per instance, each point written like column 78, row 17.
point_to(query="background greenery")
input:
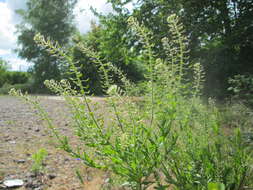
column 169, row 137
column 220, row 38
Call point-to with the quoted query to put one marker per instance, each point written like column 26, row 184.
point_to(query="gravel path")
column 22, row 134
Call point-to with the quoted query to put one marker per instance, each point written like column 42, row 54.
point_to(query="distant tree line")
column 220, row 38
column 11, row 77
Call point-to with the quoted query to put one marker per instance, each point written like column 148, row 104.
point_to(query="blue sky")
column 9, row 19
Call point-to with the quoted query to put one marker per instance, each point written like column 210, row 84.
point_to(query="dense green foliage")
column 241, row 87
column 220, row 34
column 53, row 19
column 167, row 138
column 2, row 72
column 220, row 38
column 10, row 78
column 110, row 41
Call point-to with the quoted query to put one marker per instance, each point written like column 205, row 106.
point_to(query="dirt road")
column 22, row 134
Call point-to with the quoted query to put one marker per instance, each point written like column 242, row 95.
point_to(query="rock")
column 13, row 183
column 12, row 142
column 52, row 176
column 89, row 178
column 66, row 160
column 37, row 130
column 33, row 184
column 31, row 175
column 19, row 161
column 107, row 180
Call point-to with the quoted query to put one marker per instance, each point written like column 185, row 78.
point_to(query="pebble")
column 52, row 176
column 107, row 180
column 19, row 161
column 13, row 183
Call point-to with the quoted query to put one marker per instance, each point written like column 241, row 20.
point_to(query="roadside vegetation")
column 167, row 139
column 176, row 79
column 13, row 79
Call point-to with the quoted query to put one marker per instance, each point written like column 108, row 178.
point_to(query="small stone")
column 31, row 175
column 12, row 142
column 19, row 161
column 52, row 176
column 37, row 130
column 33, row 184
column 107, row 180
column 66, row 160
column 89, row 178
column 13, row 183
column 28, row 154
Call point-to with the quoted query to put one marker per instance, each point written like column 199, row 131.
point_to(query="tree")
column 116, row 44
column 3, row 69
column 220, row 33
column 90, row 70
column 54, row 20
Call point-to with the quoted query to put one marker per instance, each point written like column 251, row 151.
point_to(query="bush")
column 17, row 77
column 241, row 86
column 170, row 140
column 237, row 114
column 13, row 77
column 27, row 87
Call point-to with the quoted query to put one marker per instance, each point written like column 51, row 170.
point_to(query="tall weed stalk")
column 167, row 138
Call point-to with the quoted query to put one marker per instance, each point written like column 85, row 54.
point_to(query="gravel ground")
column 22, row 134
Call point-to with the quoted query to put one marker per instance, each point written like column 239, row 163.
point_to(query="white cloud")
column 4, row 52
column 83, row 14
column 18, row 64
column 7, row 39
column 14, row 5
column 8, row 20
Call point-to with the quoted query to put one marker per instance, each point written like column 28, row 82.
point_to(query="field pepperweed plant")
column 167, row 138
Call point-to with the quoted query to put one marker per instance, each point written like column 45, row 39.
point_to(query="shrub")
column 27, row 87
column 241, row 86
column 236, row 114
column 17, row 77
column 171, row 139
column 13, row 77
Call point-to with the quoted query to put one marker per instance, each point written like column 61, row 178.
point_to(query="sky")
column 8, row 20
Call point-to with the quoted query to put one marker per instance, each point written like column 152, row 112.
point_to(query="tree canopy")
column 220, row 33
column 54, row 20
column 220, row 38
